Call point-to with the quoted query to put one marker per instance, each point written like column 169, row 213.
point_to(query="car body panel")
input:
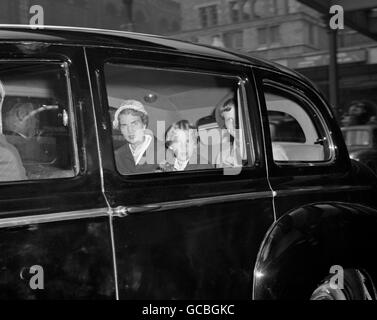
column 197, row 243
column 60, row 225
column 305, row 243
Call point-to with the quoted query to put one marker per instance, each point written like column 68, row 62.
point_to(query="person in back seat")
column 231, row 149
column 142, row 151
column 183, row 149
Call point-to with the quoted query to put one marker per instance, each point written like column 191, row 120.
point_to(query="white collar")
column 180, row 166
column 139, row 150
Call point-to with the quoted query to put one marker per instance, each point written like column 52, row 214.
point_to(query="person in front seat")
column 11, row 167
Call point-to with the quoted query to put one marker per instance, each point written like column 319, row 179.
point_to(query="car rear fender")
column 300, row 248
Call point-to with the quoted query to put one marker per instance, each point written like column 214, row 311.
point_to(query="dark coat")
column 153, row 156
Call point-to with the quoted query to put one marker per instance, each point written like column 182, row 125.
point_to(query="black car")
column 74, row 225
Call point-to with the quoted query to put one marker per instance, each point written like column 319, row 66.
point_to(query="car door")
column 307, row 157
column 194, row 233
column 54, row 228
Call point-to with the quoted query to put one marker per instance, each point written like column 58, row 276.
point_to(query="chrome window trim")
column 264, row 146
column 179, row 204
column 73, row 126
column 321, row 189
column 53, row 217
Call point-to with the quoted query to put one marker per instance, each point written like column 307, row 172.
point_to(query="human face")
column 183, row 145
column 230, row 122
column 132, row 128
column 26, row 122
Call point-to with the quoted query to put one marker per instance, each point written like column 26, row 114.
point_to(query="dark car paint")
column 314, row 237
column 193, row 246
column 76, row 255
column 202, row 238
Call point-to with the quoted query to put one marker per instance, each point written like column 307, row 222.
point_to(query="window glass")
column 36, row 138
column 169, row 120
column 296, row 132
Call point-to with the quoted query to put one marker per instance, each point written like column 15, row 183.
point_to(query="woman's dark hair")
column 227, row 106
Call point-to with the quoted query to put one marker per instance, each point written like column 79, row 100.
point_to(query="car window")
column 296, row 132
column 174, row 121
column 36, row 137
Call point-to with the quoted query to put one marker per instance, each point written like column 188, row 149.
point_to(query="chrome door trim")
column 53, row 217
column 197, row 202
column 320, row 189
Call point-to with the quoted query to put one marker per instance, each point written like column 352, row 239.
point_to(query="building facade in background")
column 288, row 33
column 150, row 16
column 284, row 31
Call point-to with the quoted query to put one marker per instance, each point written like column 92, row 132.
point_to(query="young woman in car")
column 182, row 148
column 142, row 151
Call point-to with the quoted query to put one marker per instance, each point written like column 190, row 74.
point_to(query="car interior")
column 35, row 118
column 170, row 96
column 292, row 130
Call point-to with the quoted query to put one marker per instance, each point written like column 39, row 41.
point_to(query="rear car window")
column 296, row 130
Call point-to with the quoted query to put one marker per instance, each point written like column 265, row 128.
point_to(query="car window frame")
column 65, row 65
column 340, row 161
column 126, row 56
column 298, row 95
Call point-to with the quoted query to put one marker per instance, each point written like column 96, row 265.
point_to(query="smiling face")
column 132, row 128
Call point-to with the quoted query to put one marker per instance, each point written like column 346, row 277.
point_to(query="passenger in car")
column 231, row 154
column 11, row 167
column 21, row 130
column 142, row 151
column 182, row 149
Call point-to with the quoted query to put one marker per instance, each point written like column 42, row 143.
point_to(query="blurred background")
column 293, row 33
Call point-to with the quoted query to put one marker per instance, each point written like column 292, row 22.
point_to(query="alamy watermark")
column 337, row 279
column 34, row 275
column 337, row 17
column 37, row 19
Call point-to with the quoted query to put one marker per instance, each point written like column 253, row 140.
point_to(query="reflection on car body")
column 271, row 230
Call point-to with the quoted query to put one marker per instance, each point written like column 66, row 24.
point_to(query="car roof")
column 116, row 38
